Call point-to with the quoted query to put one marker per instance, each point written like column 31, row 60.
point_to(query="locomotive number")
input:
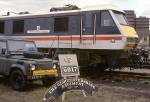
column 70, row 70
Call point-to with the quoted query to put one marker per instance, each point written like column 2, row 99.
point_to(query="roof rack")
column 65, row 8
column 20, row 13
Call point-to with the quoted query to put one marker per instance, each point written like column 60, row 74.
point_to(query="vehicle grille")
column 40, row 66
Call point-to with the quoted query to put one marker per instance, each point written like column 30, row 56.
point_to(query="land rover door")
column 3, row 57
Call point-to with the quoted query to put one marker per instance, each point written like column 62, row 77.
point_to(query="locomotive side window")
column 2, row 26
column 61, row 24
column 106, row 19
column 18, row 26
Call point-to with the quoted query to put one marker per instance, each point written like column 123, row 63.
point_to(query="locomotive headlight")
column 32, row 67
column 132, row 40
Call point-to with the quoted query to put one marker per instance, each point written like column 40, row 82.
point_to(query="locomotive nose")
column 131, row 36
column 128, row 31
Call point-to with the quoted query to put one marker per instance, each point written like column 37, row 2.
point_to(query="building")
column 142, row 27
column 131, row 17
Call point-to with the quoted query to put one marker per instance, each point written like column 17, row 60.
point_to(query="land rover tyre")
column 48, row 81
column 17, row 80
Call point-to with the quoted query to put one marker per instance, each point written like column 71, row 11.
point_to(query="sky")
column 141, row 7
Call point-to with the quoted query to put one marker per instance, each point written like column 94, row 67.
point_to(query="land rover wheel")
column 17, row 80
column 48, row 81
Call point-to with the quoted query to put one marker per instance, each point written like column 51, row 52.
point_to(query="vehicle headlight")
column 32, row 67
column 54, row 66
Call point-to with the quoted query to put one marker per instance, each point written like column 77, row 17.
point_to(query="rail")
column 125, row 76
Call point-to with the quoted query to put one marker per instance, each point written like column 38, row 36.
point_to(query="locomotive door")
column 87, row 28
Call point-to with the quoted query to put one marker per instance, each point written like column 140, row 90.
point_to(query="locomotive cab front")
column 128, row 32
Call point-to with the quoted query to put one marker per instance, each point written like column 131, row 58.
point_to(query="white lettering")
column 37, row 27
column 38, row 31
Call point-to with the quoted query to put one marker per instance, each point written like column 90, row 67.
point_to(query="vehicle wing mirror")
column 3, row 51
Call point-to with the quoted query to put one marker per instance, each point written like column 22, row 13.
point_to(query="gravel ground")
column 108, row 91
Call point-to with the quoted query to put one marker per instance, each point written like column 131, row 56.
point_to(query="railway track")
column 123, row 76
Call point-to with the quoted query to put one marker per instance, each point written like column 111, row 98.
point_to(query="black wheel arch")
column 16, row 68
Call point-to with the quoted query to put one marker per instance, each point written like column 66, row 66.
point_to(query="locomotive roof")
column 68, row 12
column 102, row 7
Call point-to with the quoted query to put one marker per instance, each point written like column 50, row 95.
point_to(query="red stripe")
column 108, row 38
column 75, row 38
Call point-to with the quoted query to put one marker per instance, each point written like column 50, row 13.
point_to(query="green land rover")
column 21, row 62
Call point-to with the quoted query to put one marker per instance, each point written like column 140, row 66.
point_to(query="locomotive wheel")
column 101, row 67
column 99, row 64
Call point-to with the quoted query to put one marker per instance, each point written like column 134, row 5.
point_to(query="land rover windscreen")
column 15, row 47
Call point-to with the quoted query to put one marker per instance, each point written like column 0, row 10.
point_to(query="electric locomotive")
column 98, row 34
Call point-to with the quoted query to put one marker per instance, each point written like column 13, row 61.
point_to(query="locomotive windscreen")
column 121, row 18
